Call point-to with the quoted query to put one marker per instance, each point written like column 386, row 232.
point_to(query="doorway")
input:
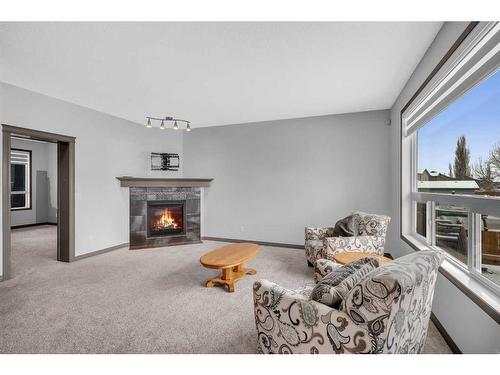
column 64, row 187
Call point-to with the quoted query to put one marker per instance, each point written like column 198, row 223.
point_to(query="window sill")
column 481, row 295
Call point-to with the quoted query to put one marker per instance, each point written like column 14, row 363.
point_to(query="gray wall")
column 271, row 179
column 106, row 147
column 470, row 327
column 43, row 184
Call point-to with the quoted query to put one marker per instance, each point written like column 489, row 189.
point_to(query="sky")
column 475, row 115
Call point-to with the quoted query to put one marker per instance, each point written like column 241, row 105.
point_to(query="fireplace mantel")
column 127, row 181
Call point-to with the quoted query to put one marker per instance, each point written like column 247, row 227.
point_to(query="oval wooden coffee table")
column 350, row 256
column 230, row 259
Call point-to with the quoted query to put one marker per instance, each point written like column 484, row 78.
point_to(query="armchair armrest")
column 313, row 243
column 323, row 267
column 318, row 233
column 287, row 322
column 365, row 244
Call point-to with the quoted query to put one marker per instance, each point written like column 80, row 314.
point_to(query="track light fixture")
column 168, row 119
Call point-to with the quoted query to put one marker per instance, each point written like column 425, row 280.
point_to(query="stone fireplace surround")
column 139, row 197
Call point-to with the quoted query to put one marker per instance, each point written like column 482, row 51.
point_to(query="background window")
column 20, row 179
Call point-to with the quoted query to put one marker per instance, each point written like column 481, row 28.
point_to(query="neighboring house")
column 426, row 175
column 436, row 182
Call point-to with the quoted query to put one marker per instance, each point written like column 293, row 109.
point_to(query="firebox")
column 166, row 218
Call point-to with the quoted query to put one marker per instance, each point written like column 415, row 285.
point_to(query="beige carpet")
column 142, row 301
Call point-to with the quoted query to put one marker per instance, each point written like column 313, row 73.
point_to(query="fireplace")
column 165, row 218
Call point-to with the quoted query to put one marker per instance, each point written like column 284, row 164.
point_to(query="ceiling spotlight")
column 150, row 121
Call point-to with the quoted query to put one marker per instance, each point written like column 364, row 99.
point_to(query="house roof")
column 452, row 184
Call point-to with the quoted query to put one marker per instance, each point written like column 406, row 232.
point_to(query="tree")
column 450, row 170
column 461, row 166
column 484, row 175
column 495, row 160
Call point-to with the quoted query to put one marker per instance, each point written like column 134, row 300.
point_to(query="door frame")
column 65, row 192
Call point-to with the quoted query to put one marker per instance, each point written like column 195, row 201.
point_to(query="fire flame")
column 166, row 220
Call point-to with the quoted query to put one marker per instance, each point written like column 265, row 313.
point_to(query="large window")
column 20, row 179
column 457, row 148
column 450, row 158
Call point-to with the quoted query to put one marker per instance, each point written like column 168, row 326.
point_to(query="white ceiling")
column 216, row 73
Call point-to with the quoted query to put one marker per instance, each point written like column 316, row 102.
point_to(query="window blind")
column 19, row 157
column 479, row 58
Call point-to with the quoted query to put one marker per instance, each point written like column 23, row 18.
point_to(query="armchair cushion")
column 333, row 287
column 362, row 244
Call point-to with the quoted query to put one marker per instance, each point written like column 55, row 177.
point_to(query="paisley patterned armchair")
column 371, row 229
column 386, row 312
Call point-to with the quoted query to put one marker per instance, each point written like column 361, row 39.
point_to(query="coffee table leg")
column 227, row 276
column 246, row 271
column 227, row 273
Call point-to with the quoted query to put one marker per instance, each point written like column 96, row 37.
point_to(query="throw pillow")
column 347, row 227
column 339, row 292
column 334, row 287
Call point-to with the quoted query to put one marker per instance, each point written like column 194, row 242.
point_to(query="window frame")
column 28, row 192
column 446, row 84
